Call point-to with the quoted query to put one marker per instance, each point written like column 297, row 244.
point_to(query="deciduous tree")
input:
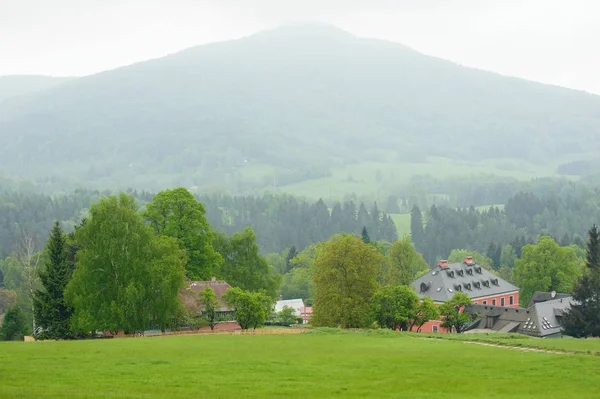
column 125, row 276
column 545, row 266
column 209, row 301
column 176, row 213
column 426, row 311
column 452, row 312
column 252, row 309
column 243, row 265
column 406, row 262
column 394, row 307
column 344, row 279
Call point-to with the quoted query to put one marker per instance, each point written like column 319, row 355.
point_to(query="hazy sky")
column 552, row 41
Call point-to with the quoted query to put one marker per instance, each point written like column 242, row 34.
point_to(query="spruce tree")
column 365, row 235
column 51, row 312
column 416, row 227
column 583, row 318
column 288, row 259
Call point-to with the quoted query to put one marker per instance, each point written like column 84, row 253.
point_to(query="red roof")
column 189, row 294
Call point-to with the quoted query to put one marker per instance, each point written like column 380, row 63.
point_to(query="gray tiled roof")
column 539, row 296
column 440, row 284
column 544, row 316
column 538, row 320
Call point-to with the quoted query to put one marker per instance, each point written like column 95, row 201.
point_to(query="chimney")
column 443, row 263
column 469, row 260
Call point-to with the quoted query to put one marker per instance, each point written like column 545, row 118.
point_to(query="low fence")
column 259, row 331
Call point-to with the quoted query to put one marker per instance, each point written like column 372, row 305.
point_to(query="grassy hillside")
column 350, row 365
column 300, row 108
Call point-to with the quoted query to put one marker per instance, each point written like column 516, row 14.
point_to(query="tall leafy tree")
column 545, row 266
column 583, row 318
column 209, row 301
column 394, row 307
column 426, row 311
column 252, row 309
column 452, row 312
column 406, row 263
column 176, row 213
column 51, row 312
column 344, row 280
column 125, row 276
column 243, row 265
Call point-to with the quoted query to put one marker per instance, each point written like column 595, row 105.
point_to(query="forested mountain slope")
column 298, row 100
column 17, row 85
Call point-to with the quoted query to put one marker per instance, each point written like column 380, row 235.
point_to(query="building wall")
column 496, row 300
column 432, row 325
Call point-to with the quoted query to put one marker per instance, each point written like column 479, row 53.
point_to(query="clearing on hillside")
column 311, row 365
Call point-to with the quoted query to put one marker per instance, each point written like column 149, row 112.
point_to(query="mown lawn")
column 312, row 365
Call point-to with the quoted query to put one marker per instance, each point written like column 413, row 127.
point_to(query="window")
column 494, row 302
column 502, row 301
column 435, row 329
column 485, row 302
column 511, row 301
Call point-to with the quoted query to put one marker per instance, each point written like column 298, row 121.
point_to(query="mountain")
column 17, row 85
column 291, row 103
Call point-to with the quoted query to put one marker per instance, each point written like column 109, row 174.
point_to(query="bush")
column 13, row 327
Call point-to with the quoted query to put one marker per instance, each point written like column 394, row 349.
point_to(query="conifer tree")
column 365, row 235
column 291, row 255
column 583, row 318
column 51, row 312
column 416, row 227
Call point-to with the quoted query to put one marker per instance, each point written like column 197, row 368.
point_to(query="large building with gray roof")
column 541, row 319
column 483, row 287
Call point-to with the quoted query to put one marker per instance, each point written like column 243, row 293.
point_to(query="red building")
column 443, row 281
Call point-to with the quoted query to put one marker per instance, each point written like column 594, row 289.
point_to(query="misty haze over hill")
column 293, row 102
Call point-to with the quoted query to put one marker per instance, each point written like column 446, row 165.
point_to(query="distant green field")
column 402, row 222
column 374, row 177
column 312, row 365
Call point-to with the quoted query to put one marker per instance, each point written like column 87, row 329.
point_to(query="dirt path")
column 520, row 348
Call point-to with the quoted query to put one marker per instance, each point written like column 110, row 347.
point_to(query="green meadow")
column 376, row 177
column 318, row 364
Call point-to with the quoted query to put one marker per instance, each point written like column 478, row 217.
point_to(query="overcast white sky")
column 552, row 41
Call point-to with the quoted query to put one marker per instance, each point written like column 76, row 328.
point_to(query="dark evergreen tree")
column 13, row 326
column 583, row 318
column 416, row 228
column 365, row 236
column 51, row 312
column 494, row 252
column 290, row 255
column 565, row 241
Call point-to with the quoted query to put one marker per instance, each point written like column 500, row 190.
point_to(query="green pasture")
column 318, row 364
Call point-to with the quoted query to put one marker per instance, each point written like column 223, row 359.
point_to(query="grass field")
column 376, row 177
column 402, row 222
column 311, row 365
